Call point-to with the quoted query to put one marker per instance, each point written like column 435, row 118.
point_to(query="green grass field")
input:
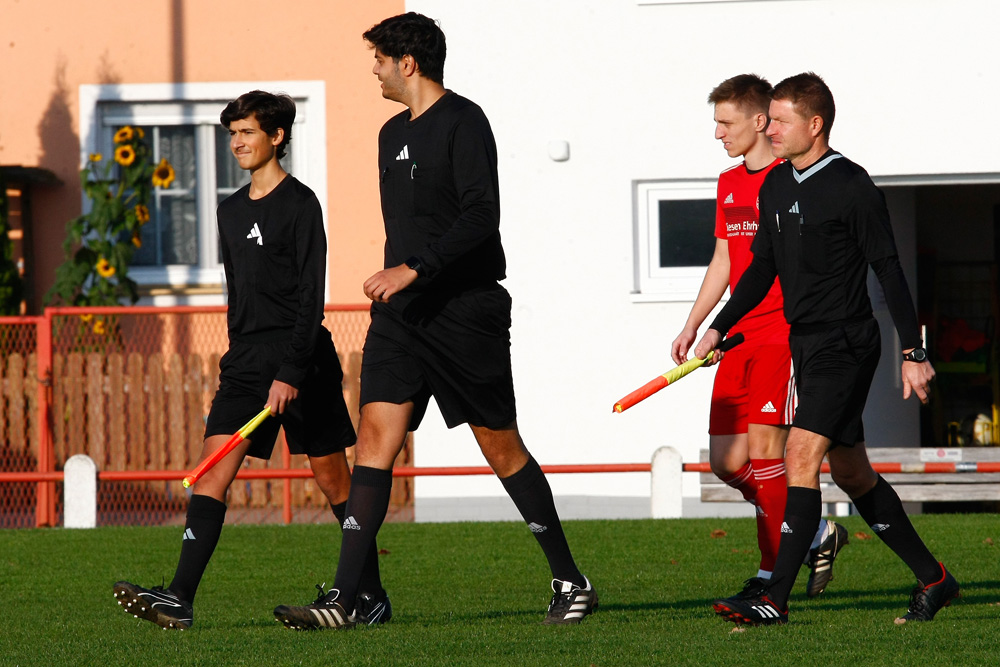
column 474, row 594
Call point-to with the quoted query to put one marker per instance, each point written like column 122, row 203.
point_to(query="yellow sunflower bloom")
column 164, row 174
column 104, row 268
column 99, row 327
column 124, row 134
column 136, row 240
column 86, row 317
column 142, row 213
column 140, row 133
column 124, row 155
column 96, row 157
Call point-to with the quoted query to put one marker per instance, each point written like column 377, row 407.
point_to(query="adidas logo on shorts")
column 769, row 407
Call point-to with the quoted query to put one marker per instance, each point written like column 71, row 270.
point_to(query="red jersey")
column 737, row 215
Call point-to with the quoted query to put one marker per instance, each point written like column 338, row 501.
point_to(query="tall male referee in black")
column 822, row 224
column 440, row 320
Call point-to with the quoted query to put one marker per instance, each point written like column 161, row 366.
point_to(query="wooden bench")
column 911, row 487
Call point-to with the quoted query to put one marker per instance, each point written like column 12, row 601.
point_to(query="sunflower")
column 125, row 155
column 96, row 157
column 104, row 268
column 142, row 213
column 86, row 317
column 164, row 174
column 136, row 240
column 99, row 327
column 140, row 133
column 123, row 135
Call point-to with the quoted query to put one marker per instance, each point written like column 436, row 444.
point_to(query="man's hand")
column 679, row 348
column 710, row 341
column 917, row 376
column 280, row 395
column 381, row 286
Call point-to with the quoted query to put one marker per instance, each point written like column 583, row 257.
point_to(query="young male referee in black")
column 822, row 224
column 440, row 320
column 274, row 254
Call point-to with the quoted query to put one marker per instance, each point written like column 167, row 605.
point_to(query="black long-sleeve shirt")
column 274, row 253
column 440, row 194
column 820, row 229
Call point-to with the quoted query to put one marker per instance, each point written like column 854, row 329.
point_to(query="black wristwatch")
column 916, row 354
column 415, row 264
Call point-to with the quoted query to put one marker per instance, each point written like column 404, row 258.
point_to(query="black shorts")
column 833, row 374
column 455, row 347
column 316, row 423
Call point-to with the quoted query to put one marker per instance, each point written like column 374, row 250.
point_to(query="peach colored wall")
column 48, row 48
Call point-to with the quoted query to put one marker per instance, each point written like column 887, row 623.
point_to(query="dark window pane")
column 686, row 232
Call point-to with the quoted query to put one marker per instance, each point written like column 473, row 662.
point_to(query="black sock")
column 366, row 508
column 205, row 516
column 883, row 512
column 370, row 582
column 803, row 511
column 532, row 495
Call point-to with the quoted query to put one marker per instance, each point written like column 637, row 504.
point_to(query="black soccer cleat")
column 754, row 587
column 325, row 612
column 821, row 560
column 156, row 605
column 570, row 603
column 750, row 611
column 925, row 601
column 372, row 609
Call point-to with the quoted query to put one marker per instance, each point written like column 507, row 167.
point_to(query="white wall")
column 625, row 84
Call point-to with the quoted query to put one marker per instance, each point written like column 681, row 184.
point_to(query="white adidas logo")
column 765, row 611
column 536, row 528
column 729, row 199
column 794, row 208
column 350, row 523
column 785, row 528
column 255, row 234
column 879, row 527
column 769, row 407
column 188, row 534
column 404, row 154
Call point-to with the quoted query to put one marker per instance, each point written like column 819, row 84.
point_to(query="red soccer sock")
column 742, row 480
column 772, row 493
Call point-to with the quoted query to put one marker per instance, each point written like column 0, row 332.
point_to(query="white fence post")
column 80, row 492
column 666, row 492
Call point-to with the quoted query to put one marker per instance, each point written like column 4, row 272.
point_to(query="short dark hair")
column 811, row 95
column 415, row 35
column 271, row 111
column 750, row 93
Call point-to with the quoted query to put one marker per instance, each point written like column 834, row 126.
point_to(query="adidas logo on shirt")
column 255, row 234
column 188, row 534
column 350, row 523
column 794, row 208
column 404, row 154
column 769, row 407
column 729, row 199
column 536, row 528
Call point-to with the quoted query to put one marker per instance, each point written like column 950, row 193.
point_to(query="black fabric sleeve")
column 897, row 299
column 474, row 170
column 753, row 286
column 310, row 254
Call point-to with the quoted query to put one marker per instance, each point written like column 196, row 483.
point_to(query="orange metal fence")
column 131, row 388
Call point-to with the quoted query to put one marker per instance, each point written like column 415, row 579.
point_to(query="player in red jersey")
column 753, row 399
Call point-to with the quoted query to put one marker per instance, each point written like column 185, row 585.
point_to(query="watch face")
column 919, row 354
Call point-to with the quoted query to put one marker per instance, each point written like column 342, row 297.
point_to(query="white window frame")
column 201, row 104
column 653, row 282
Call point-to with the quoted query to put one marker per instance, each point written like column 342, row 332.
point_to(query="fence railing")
column 131, row 388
